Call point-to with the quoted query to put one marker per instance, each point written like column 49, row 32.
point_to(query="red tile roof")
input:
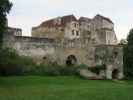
column 64, row 21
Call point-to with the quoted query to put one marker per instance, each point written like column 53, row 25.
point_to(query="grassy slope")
column 63, row 88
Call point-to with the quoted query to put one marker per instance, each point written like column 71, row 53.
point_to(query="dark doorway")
column 115, row 74
column 71, row 60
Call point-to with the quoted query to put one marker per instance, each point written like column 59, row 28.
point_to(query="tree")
column 128, row 56
column 5, row 7
column 130, row 38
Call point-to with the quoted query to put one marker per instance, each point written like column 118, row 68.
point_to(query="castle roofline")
column 84, row 19
column 105, row 18
column 64, row 20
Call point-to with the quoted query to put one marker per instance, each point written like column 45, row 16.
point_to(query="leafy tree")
column 130, row 38
column 128, row 56
column 5, row 7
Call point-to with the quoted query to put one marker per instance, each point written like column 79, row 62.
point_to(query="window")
column 88, row 33
column 94, row 40
column 115, row 54
column 62, row 30
column 72, row 32
column 44, row 58
column 75, row 25
column 77, row 33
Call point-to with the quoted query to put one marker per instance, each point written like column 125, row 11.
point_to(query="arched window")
column 71, row 60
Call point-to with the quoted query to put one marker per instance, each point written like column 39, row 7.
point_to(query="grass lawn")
column 63, row 88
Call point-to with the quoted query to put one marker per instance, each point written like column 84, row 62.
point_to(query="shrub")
column 69, row 70
column 8, row 61
column 13, row 64
column 54, row 70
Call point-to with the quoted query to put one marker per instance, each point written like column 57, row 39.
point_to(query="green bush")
column 13, row 64
column 54, row 70
column 8, row 61
column 63, row 70
column 69, row 70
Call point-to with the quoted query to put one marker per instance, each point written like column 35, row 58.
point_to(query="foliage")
column 128, row 56
column 130, row 38
column 53, row 70
column 13, row 64
column 5, row 6
column 128, row 61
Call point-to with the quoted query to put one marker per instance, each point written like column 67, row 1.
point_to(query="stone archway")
column 71, row 60
column 115, row 73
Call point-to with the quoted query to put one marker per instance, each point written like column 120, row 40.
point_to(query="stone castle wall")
column 85, row 41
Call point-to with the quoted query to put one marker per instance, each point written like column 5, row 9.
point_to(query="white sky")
column 28, row 13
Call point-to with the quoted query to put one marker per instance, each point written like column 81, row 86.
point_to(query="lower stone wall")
column 37, row 48
column 54, row 51
column 112, row 57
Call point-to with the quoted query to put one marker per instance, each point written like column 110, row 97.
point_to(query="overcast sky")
column 28, row 13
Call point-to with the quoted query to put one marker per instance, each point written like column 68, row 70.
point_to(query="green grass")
column 63, row 88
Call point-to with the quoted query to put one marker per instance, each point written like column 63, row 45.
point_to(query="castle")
column 71, row 41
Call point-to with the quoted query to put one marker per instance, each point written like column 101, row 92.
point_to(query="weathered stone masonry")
column 66, row 40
